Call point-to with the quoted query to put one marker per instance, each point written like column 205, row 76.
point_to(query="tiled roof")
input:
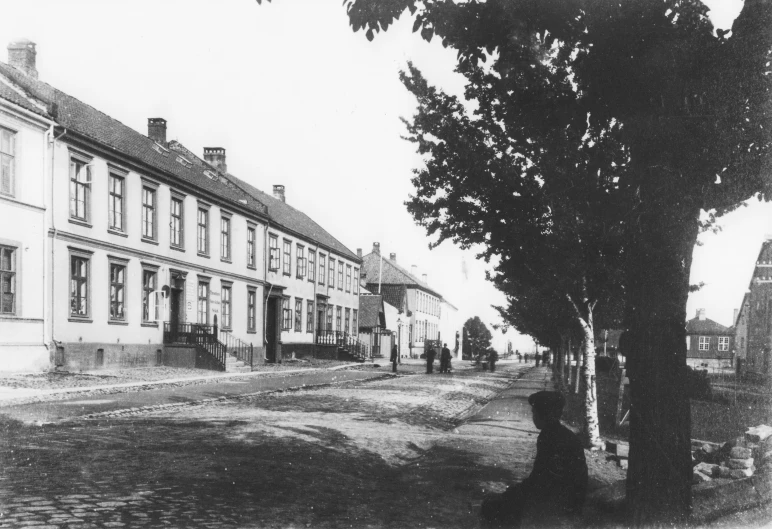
column 297, row 221
column 394, row 295
column 706, row 326
column 370, row 309
column 10, row 93
column 391, row 273
column 100, row 128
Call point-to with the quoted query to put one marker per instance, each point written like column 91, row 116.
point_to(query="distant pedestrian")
column 526, row 358
column 537, row 356
column 394, row 358
column 430, row 354
column 492, row 357
column 519, row 356
column 445, row 359
column 553, row 494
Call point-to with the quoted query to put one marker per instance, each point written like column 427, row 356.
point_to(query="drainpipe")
column 52, row 221
column 266, row 258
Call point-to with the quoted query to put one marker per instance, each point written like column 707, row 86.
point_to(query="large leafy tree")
column 694, row 111
column 477, row 337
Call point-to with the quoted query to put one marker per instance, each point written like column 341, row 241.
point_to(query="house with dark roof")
column 25, row 127
column 154, row 255
column 423, row 315
column 754, row 322
column 708, row 343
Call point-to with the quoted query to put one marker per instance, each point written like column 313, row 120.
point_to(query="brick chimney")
column 701, row 314
column 377, row 248
column 414, row 270
column 278, row 192
column 156, row 130
column 359, row 252
column 216, row 157
column 21, row 55
column 425, row 279
column 393, row 257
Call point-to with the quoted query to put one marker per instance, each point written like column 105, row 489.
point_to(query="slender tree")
column 477, row 337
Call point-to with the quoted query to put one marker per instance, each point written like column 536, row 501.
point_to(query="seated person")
column 554, row 493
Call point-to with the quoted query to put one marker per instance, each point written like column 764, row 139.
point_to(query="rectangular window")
column 723, row 343
column 322, row 270
column 251, row 310
column 348, row 321
column 298, row 315
column 79, row 287
column 355, row 321
column 287, row 258
column 348, row 278
column 251, row 252
column 274, row 261
column 286, row 324
column 117, row 292
column 329, row 317
column 338, row 317
column 7, row 161
column 311, row 265
column 115, row 202
column 149, row 296
column 148, row 213
column 340, row 275
column 203, row 231
column 356, row 280
column 177, row 224
column 300, row 265
column 309, row 316
column 331, row 274
column 7, row 280
column 225, row 238
column 203, row 302
column 80, row 189
column 225, row 300
column 704, row 343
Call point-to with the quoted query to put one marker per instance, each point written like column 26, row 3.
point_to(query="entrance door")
column 271, row 327
column 174, row 313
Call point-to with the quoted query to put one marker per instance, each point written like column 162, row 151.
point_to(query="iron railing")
column 197, row 334
column 345, row 341
column 241, row 350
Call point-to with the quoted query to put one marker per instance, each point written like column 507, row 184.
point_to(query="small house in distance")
column 708, row 343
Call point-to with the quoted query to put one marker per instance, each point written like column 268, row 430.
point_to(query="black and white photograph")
column 386, row 264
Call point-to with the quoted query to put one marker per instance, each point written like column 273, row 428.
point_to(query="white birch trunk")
column 591, row 433
column 576, row 376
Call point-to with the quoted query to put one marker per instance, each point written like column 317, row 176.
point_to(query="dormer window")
column 160, row 149
column 210, row 175
column 184, row 161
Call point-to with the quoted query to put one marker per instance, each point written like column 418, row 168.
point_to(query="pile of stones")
column 735, row 459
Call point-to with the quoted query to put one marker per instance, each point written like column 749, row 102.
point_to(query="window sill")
column 80, row 222
column 287, row 274
column 177, row 248
column 224, row 260
column 75, row 319
column 251, row 332
column 119, row 233
column 148, row 324
column 251, row 267
column 204, row 255
column 116, row 322
column 149, row 241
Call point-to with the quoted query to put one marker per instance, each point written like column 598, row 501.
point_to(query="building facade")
column 25, row 131
column 142, row 243
column 708, row 343
column 758, row 363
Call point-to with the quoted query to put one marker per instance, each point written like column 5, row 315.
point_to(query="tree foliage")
column 477, row 337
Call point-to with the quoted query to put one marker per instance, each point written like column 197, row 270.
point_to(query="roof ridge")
column 23, row 93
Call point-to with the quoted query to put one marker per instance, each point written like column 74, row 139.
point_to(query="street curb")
column 470, row 411
column 128, row 412
column 52, row 394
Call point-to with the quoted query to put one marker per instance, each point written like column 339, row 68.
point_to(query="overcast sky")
column 296, row 98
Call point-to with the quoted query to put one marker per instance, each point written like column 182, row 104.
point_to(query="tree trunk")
column 591, row 432
column 577, row 378
column 558, row 362
column 569, row 361
column 662, row 242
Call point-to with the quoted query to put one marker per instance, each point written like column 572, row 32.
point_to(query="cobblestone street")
column 362, row 453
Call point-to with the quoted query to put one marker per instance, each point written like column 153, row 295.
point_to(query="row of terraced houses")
column 119, row 248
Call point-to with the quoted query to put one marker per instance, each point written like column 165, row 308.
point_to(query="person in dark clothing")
column 492, row 357
column 394, row 358
column 537, row 356
column 553, row 494
column 445, row 359
column 430, row 354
